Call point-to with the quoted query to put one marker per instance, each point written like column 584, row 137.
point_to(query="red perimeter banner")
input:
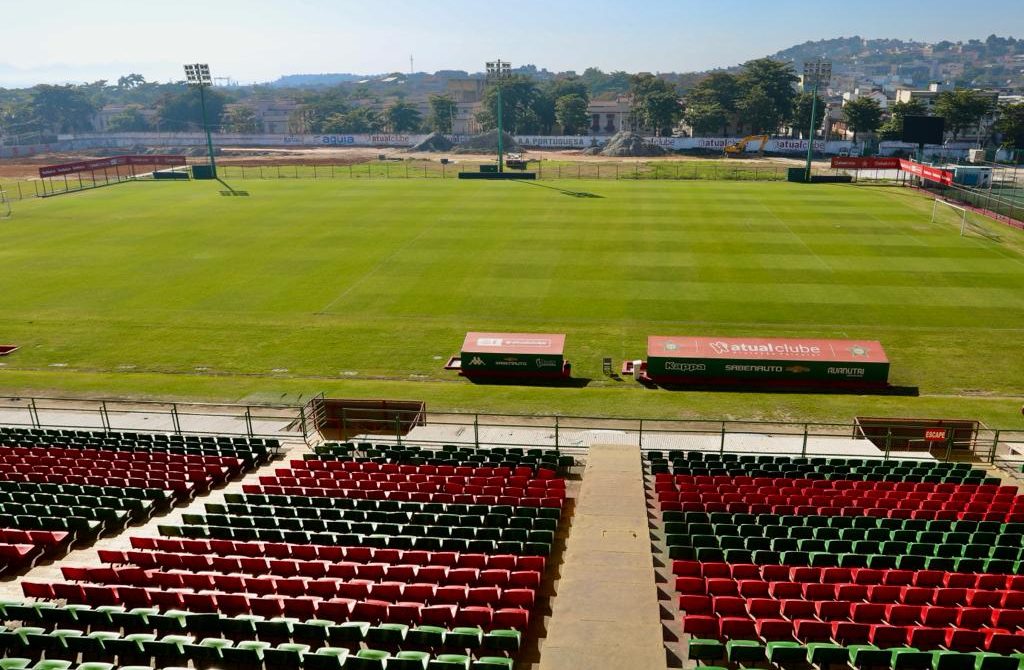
column 113, row 161
column 866, row 163
column 944, row 177
column 938, row 175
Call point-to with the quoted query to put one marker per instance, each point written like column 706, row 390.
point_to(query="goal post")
column 941, row 214
column 5, row 205
column 969, row 222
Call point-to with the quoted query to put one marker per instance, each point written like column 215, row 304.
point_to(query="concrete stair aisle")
column 606, row 613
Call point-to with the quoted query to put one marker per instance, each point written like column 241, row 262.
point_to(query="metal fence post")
column 174, row 418
column 888, row 442
column 33, row 413
column 302, row 422
column 104, row 417
column 248, row 422
column 721, row 445
column 476, row 430
column 803, row 449
column 949, row 446
column 398, row 429
column 556, row 433
column 641, row 440
column 344, row 426
column 995, row 446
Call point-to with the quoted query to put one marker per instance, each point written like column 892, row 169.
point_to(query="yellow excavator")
column 737, row 149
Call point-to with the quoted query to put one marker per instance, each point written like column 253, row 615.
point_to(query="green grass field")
column 364, row 288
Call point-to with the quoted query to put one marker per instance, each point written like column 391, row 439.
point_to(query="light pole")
column 198, row 76
column 818, row 73
column 497, row 72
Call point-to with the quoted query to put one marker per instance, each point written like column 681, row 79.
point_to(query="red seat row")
column 44, row 538
column 867, row 576
column 551, row 498
column 887, row 500
column 184, row 566
column 847, row 610
column 305, row 607
column 849, row 632
column 356, row 554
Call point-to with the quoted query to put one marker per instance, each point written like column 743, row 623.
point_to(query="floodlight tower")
column 198, row 75
column 498, row 71
column 817, row 73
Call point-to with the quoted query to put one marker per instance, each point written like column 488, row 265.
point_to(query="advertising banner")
column 866, row 163
column 944, row 177
column 792, row 361
column 105, row 163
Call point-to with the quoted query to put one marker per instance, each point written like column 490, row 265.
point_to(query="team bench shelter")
column 767, row 362
column 512, row 356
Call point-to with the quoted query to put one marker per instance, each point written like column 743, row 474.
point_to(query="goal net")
column 969, row 223
column 5, row 205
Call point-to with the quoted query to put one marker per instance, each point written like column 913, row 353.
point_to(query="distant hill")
column 316, row 80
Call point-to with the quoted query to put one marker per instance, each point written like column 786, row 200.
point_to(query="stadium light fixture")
column 198, row 76
column 497, row 72
column 816, row 73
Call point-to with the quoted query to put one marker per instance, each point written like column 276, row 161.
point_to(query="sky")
column 260, row 40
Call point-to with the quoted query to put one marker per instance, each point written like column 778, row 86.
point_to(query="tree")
column 240, row 119
column 802, row 104
column 757, row 110
column 571, row 113
column 893, row 128
column 518, row 94
column 358, row 120
column 182, row 112
column 128, row 121
column 655, row 104
column 720, row 88
column 1011, row 125
column 775, row 80
column 863, row 115
column 130, row 81
column 62, row 109
column 548, row 95
column 962, row 108
column 442, row 113
column 402, row 117
column 706, row 117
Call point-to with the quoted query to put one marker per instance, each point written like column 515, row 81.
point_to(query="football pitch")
column 363, row 288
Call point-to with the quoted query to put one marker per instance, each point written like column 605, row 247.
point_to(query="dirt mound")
column 434, row 142
column 488, row 143
column 625, row 143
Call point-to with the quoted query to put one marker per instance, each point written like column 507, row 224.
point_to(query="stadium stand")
column 875, row 563
column 355, row 557
column 61, row 488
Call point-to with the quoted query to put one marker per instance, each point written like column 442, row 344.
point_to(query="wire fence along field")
column 664, row 170
column 571, row 434
column 422, row 169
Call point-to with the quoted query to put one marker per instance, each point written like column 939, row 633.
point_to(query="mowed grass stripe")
column 383, row 278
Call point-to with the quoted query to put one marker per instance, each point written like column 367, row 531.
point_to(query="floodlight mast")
column 819, row 73
column 197, row 75
column 497, row 72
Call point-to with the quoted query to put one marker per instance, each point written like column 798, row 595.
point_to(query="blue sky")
column 259, row 40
